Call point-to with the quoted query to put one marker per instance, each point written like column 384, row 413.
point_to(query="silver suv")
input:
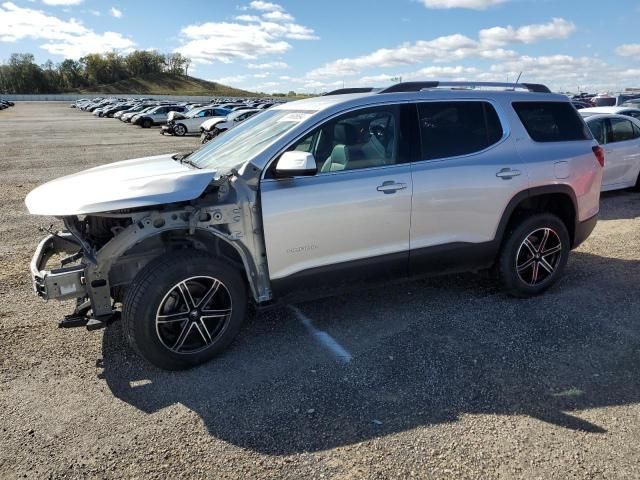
column 315, row 196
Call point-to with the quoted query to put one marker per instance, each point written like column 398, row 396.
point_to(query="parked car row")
column 4, row 104
column 177, row 118
column 587, row 100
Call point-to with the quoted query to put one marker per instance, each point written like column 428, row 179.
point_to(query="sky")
column 311, row 47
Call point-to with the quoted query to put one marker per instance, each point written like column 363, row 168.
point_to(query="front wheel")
column 179, row 130
column 534, row 255
column 147, row 123
column 184, row 308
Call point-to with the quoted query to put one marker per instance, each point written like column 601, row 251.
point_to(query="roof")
column 591, row 116
column 354, row 99
column 607, row 109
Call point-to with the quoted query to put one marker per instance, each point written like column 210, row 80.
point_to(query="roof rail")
column 418, row 86
column 343, row 91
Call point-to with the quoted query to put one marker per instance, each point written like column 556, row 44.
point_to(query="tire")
column 523, row 270
column 156, row 321
column 180, row 130
column 147, row 123
column 636, row 187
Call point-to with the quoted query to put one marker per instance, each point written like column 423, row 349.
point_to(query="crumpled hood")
column 173, row 115
column 210, row 123
column 134, row 183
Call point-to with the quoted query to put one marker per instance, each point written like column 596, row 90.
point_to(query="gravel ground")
column 448, row 378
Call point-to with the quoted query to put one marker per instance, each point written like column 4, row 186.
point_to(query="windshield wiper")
column 182, row 158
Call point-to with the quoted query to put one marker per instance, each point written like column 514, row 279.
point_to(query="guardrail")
column 70, row 97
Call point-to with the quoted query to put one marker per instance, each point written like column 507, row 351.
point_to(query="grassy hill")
column 169, row 84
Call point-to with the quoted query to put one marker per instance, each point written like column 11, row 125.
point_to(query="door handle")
column 391, row 187
column 508, row 174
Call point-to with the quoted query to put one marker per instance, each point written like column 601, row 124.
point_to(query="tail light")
column 598, row 151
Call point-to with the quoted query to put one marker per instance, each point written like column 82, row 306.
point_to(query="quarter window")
column 621, row 130
column 598, row 130
column 450, row 129
column 551, row 121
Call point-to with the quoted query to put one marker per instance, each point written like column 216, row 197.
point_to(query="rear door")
column 350, row 221
column 622, row 153
column 466, row 176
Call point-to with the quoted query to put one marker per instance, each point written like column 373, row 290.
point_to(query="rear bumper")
column 583, row 230
column 59, row 283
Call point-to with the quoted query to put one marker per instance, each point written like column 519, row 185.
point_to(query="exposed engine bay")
column 106, row 250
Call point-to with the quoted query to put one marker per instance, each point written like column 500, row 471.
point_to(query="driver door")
column 350, row 221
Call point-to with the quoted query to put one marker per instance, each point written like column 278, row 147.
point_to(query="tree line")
column 21, row 74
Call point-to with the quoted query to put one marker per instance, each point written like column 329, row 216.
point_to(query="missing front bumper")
column 58, row 283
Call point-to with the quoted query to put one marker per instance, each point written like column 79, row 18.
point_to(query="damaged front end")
column 98, row 255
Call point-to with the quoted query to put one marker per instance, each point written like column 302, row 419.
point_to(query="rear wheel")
column 534, row 255
column 184, row 308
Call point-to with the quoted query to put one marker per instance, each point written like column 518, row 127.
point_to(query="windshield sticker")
column 295, row 117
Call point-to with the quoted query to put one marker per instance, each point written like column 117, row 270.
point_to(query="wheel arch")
column 557, row 199
column 163, row 242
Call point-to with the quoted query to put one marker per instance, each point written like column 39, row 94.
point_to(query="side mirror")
column 295, row 164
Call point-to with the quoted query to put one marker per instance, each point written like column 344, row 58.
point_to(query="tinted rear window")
column 450, row 129
column 551, row 121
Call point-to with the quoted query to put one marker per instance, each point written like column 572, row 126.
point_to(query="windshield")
column 234, row 115
column 245, row 141
column 194, row 113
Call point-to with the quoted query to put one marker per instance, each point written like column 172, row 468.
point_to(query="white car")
column 627, row 111
column 215, row 126
column 128, row 116
column 620, row 137
column 156, row 115
column 189, row 122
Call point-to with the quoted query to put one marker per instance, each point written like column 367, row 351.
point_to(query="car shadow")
column 619, row 205
column 424, row 353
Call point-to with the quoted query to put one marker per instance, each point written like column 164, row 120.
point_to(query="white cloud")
column 558, row 28
column 261, row 75
column 278, row 16
column 115, row 12
column 67, row 38
column 559, row 72
column 629, row 50
column 226, row 42
column 435, row 72
column 62, row 2
column 248, row 18
column 249, row 38
column 265, row 6
column 266, row 86
column 449, row 48
column 471, row 4
column 232, row 79
column 267, row 66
